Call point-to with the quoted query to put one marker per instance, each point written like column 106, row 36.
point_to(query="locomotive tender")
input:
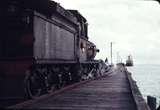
column 43, row 45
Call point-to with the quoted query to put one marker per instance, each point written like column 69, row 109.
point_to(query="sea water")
column 148, row 79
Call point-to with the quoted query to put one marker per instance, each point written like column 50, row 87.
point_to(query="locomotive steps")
column 116, row 91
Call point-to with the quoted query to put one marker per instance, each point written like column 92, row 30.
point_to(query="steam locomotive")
column 43, row 47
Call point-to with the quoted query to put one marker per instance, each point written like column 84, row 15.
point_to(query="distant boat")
column 129, row 61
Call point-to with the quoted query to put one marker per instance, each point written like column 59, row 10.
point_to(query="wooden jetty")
column 117, row 91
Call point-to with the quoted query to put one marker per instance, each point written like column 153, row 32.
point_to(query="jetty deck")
column 116, row 91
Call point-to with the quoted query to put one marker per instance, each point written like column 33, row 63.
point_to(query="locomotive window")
column 82, row 46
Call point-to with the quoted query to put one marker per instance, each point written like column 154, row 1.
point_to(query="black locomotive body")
column 43, row 45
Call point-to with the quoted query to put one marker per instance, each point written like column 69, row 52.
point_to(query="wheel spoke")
column 34, row 86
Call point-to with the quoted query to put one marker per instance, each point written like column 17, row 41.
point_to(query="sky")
column 132, row 25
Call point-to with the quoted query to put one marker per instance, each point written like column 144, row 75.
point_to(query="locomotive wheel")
column 76, row 73
column 61, row 82
column 34, row 85
column 51, row 88
column 51, row 85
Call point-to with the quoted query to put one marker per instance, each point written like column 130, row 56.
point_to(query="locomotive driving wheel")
column 76, row 73
column 51, row 81
column 34, row 84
